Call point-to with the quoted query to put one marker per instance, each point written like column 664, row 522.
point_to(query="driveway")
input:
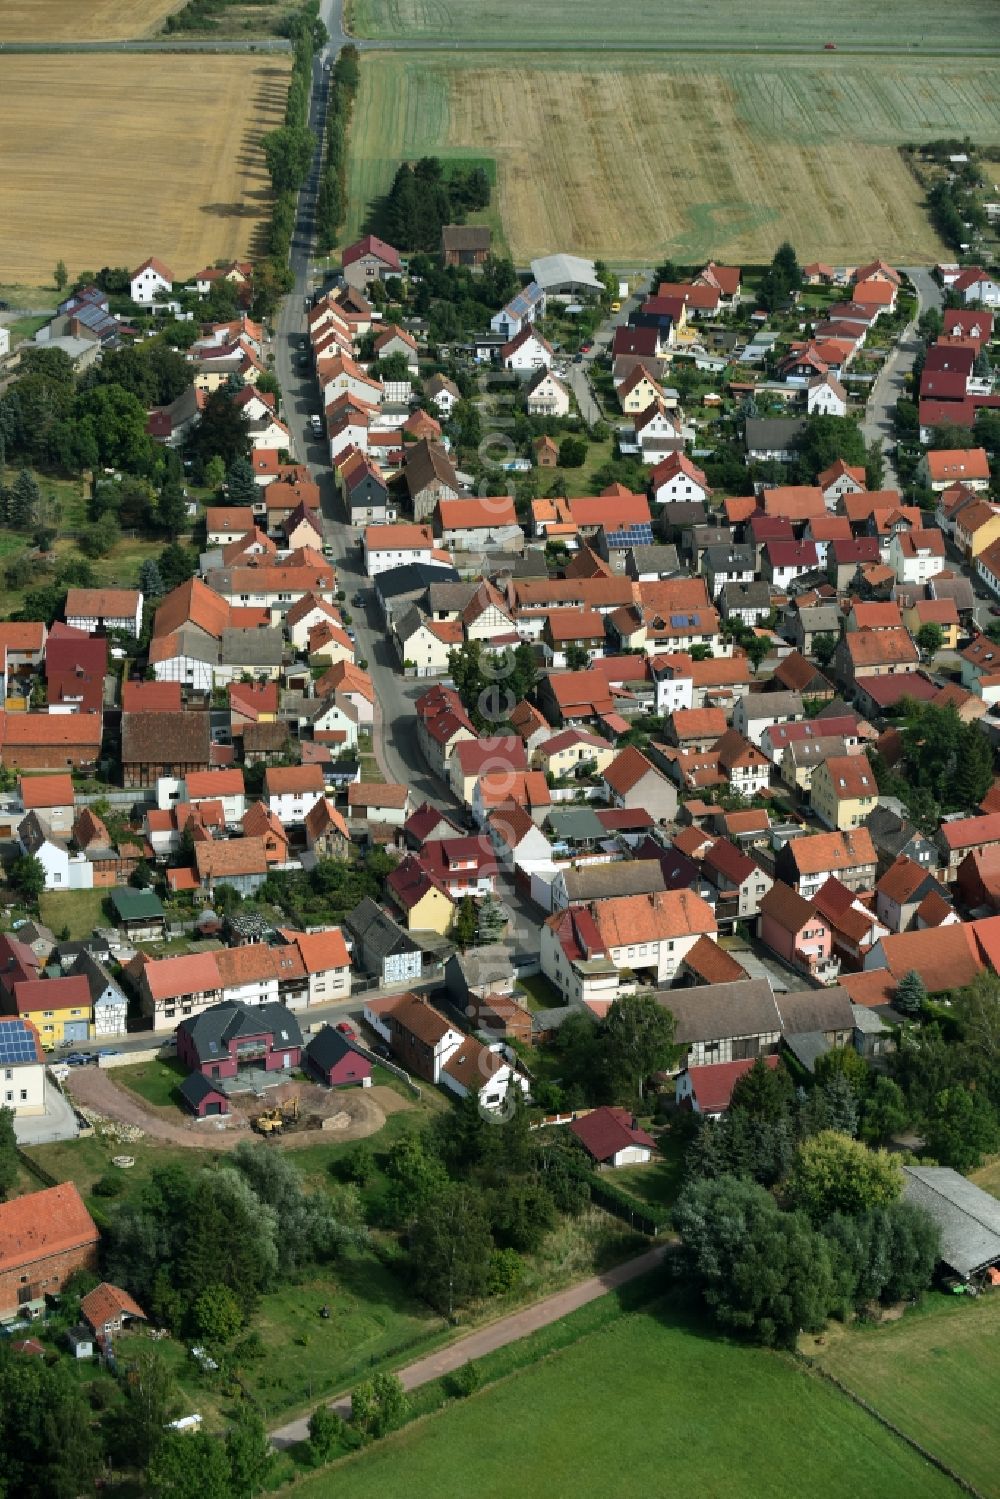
column 57, row 1123
column 497, row 1335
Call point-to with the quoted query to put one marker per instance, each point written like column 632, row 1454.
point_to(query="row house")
column 807, row 862
column 792, row 928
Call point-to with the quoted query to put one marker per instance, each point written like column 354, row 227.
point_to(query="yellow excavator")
column 269, row 1122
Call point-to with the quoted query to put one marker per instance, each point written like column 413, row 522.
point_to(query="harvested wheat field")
column 633, row 160
column 105, row 160
column 82, row 20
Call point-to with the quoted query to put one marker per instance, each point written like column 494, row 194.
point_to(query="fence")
column 130, row 1058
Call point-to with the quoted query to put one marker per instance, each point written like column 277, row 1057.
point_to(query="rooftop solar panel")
column 17, row 1043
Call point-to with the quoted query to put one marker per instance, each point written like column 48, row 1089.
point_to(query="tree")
column 757, row 647
column 60, row 276
column 24, row 499
column 760, row 1271
column 883, row 1111
column 27, row 875
column 450, row 1249
column 930, row 639
column 189, row 1465
column 148, row 1407
column 251, row 1457
column 465, row 924
column 240, row 482
column 222, row 433
column 171, row 506
column 833, row 1173
column 326, row 1435
column 572, row 452
column 151, row 579
column 961, row 1129
column 47, row 1439
column 217, row 1315
column 288, row 152
column 827, row 438
column 764, row 1092
column 874, row 465
column 976, row 1009
column 638, row 1038
column 974, row 770
column 911, row 992
column 577, row 657
column 824, row 646
column 102, row 537
column 10, row 1166
column 378, row 1405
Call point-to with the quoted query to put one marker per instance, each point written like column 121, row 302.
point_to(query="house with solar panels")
column 22, row 1067
column 521, row 310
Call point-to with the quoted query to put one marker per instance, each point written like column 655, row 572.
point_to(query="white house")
column 825, row 396
column 225, row 786
column 391, row 546
column 106, row 609
column 442, row 393
column 522, row 309
column 547, row 395
column 526, row 351
column 150, row 281
column 757, row 711
column 4, row 341
column 327, row 963
column 22, row 1067
column 63, row 870
column 293, row 790
column 677, row 480
column 978, row 286
column 915, row 556
column 483, row 1070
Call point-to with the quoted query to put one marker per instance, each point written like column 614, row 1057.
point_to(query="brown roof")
column 712, row 964
column 850, row 775
column 230, row 856
column 46, row 791
column 785, row 906
column 629, row 919
column 473, row 1064
column 282, row 780
column 420, row 1019
column 190, row 973
column 376, row 794
column 628, row 769
column 42, row 1224
column 881, row 647
column 101, row 603
column 166, row 738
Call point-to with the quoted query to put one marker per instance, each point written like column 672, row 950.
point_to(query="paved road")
column 57, row 1123
column 878, row 424
column 497, row 1335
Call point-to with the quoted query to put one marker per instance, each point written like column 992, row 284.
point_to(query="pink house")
column 229, row 1038
column 798, row 934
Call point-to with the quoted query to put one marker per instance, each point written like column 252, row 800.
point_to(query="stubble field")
column 105, row 160
column 899, row 24
column 82, row 20
column 634, row 159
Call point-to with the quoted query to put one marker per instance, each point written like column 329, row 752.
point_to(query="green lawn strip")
column 658, row 1182
column 156, row 1082
column 934, row 1374
column 76, row 912
column 539, row 992
column 629, row 1396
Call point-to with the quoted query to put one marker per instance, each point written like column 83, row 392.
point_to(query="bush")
column 464, row 1382
column 505, row 1274
column 109, row 1185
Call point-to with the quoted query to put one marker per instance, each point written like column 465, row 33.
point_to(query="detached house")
column 151, row 280
column 808, row 862
column 843, row 791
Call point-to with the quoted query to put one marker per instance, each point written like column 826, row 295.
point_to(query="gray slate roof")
column 773, row 433
column 805, row 1010
column 252, row 647
column 214, row 1028
column 968, row 1217
column 369, row 925
column 713, row 1011
column 599, row 881
column 652, row 559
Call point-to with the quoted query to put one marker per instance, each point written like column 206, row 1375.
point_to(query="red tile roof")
column 604, row 1132
column 42, row 1224
column 713, row 1085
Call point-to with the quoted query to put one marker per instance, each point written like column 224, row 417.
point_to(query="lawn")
column 988, row 1177
column 686, row 156
column 156, row 1081
column 935, row 1375
column 659, row 1181
column 538, row 992
column 85, row 1161
column 75, row 912
column 650, row 1404
column 678, row 23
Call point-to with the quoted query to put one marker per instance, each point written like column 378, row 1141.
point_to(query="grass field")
column 108, row 159
column 78, row 911
column 897, row 23
column 644, row 1407
column 934, row 1374
column 632, row 159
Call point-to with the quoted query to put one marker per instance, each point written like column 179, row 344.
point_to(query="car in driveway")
column 358, row 601
column 346, row 1029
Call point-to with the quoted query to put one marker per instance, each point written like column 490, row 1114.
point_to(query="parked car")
column 77, row 1059
column 358, row 601
column 346, row 1029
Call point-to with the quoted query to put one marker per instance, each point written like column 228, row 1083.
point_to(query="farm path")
column 879, row 424
column 497, row 1335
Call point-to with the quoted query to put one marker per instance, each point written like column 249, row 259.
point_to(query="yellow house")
column 60, row 1009
column 977, row 526
column 940, row 612
column 563, row 753
column 638, row 392
column 426, row 907
column 843, row 791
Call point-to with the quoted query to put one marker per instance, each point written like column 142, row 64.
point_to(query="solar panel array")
column 638, row 535
column 17, row 1043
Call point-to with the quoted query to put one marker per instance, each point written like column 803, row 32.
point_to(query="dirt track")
column 366, row 1110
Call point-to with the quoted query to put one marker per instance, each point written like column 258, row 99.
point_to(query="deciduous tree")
column 833, row 1173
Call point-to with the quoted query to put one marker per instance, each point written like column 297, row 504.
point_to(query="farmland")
column 71, row 21
column 717, row 1417
column 675, row 157
column 934, row 1374
column 899, row 24
column 172, row 166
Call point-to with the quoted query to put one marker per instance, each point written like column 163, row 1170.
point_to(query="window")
column 24, row 1095
column 9, row 1096
column 8, row 1074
